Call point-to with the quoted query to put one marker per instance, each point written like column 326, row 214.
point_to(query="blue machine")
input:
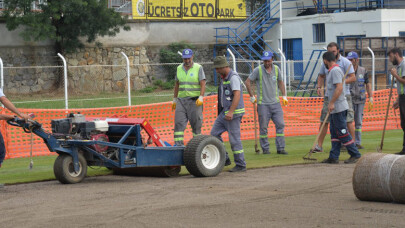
column 123, row 149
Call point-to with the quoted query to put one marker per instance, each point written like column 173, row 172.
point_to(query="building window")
column 1, row 4
column 319, row 33
column 402, row 34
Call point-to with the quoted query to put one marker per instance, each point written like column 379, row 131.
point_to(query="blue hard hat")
column 187, row 53
column 267, row 55
column 352, row 55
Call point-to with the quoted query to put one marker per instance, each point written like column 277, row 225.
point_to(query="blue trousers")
column 341, row 136
column 233, row 128
column 2, row 149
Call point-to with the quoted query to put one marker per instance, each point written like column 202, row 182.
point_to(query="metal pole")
column 1, row 77
column 66, row 80
column 233, row 58
column 372, row 69
column 281, row 25
column 283, row 66
column 234, row 65
column 129, row 78
column 290, row 63
column 1, row 73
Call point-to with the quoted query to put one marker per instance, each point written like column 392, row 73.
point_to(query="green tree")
column 170, row 55
column 66, row 23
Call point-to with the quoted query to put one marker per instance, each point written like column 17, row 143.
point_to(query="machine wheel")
column 165, row 171
column 204, row 156
column 64, row 170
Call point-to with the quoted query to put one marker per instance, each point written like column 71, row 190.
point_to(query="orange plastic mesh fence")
column 301, row 117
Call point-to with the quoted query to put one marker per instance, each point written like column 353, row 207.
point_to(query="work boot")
column 282, row 152
column 399, row 153
column 317, row 149
column 228, row 162
column 266, row 152
column 360, row 147
column 330, row 161
column 352, row 160
column 238, row 169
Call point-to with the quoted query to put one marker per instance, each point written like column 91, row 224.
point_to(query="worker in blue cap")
column 358, row 92
column 268, row 82
column 188, row 98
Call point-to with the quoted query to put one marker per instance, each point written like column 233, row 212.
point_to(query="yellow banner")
column 139, row 9
column 228, row 9
column 188, row 9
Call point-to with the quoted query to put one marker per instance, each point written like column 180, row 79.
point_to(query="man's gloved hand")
column 370, row 104
column 199, row 101
column 253, row 99
column 285, row 101
column 174, row 103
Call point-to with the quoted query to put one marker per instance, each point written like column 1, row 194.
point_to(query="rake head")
column 307, row 156
column 257, row 149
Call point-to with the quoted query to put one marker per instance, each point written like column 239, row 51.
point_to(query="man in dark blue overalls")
column 230, row 111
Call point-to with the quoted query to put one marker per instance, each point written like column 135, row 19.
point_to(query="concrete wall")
column 375, row 23
column 142, row 33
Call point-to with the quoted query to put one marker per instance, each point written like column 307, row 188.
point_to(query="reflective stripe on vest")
column 261, row 84
column 189, row 85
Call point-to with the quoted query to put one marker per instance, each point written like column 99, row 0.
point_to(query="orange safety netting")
column 301, row 117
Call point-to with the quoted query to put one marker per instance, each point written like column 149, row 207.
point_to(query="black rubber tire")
column 192, row 156
column 165, row 171
column 63, row 169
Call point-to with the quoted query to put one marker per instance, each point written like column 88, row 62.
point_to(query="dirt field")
column 294, row 196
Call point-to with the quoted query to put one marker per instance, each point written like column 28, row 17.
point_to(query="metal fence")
column 89, row 86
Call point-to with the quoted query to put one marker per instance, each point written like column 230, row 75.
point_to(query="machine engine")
column 75, row 126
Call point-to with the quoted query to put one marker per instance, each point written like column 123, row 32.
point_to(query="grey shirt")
column 343, row 63
column 234, row 83
column 269, row 91
column 335, row 76
column 401, row 73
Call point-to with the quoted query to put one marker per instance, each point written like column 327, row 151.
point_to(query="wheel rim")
column 72, row 172
column 210, row 157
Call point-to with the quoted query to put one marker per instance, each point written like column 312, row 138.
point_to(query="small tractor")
column 128, row 146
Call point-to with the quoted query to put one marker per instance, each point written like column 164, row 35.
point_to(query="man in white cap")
column 268, row 81
column 188, row 97
column 358, row 93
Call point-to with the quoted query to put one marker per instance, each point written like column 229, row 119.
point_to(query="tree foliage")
column 67, row 23
column 170, row 55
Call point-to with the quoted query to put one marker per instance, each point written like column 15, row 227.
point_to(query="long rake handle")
column 255, row 120
column 320, row 130
column 386, row 115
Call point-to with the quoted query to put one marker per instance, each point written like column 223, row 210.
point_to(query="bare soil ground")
column 292, row 196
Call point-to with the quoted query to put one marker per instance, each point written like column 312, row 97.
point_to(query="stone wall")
column 104, row 69
column 31, row 70
column 27, row 69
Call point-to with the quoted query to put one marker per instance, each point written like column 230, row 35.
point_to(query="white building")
column 331, row 22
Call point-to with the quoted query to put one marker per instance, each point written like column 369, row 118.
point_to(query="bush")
column 168, row 85
column 148, row 89
column 170, row 55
